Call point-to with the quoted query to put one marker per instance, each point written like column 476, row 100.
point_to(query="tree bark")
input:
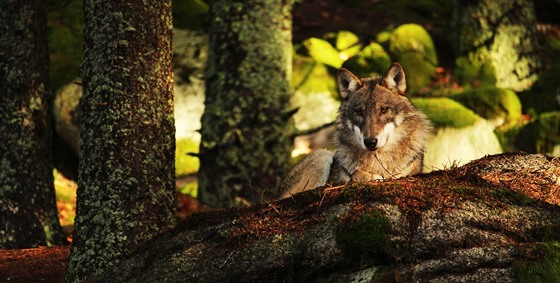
column 492, row 220
column 245, row 143
column 126, row 171
column 496, row 39
column 28, row 214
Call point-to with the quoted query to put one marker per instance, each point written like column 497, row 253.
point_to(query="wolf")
column 379, row 135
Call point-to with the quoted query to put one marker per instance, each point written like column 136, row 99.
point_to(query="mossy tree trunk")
column 245, row 145
column 28, row 214
column 495, row 42
column 126, row 171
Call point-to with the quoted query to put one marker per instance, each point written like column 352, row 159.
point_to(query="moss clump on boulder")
column 499, row 105
column 412, row 46
column 473, row 70
column 545, row 269
column 372, row 60
column 366, row 233
column 445, row 112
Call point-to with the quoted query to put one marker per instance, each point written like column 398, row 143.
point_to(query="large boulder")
column 500, row 106
column 492, row 220
column 412, row 46
column 459, row 135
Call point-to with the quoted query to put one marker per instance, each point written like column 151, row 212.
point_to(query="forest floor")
column 312, row 18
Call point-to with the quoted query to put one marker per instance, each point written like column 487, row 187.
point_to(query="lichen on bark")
column 28, row 215
column 245, row 127
column 126, row 172
column 496, row 41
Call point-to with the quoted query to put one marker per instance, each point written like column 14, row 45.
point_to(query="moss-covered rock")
column 445, row 112
column 412, row 46
column 546, row 267
column 475, row 70
column 315, row 93
column 372, row 60
column 450, row 147
column 460, row 135
column 541, row 135
column 347, row 43
column 498, row 105
column 367, row 233
column 333, row 49
column 67, row 115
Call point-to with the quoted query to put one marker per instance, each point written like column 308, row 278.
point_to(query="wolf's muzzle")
column 370, row 143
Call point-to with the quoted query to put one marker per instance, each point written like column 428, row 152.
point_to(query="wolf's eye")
column 384, row 109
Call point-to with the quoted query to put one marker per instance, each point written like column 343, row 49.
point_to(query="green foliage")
column 186, row 164
column 445, row 112
column 545, row 269
column 372, row 60
column 367, row 233
column 190, row 14
column 412, row 46
column 474, row 70
column 190, row 188
column 492, row 103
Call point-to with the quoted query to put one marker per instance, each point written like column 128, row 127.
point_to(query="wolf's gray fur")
column 379, row 135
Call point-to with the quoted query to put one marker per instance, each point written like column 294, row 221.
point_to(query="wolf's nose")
column 370, row 143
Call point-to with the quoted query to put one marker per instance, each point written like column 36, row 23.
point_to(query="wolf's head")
column 372, row 109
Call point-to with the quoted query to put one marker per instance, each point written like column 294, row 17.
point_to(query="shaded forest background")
column 362, row 22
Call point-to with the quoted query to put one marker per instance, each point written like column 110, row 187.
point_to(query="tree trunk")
column 28, row 214
column 495, row 42
column 245, row 127
column 492, row 220
column 126, row 171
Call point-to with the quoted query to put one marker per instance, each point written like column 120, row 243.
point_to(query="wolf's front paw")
column 362, row 176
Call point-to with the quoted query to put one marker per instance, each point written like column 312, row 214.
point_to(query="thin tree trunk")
column 126, row 172
column 245, row 127
column 28, row 214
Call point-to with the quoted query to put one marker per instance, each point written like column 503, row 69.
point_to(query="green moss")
column 445, row 112
column 473, row 70
column 545, row 269
column 372, row 60
column 323, row 52
column 492, row 103
column 186, row 164
column 190, row 188
column 190, row 14
column 412, row 46
column 367, row 233
column 311, row 76
column 548, row 132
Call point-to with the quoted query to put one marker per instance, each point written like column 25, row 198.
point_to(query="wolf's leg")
column 309, row 174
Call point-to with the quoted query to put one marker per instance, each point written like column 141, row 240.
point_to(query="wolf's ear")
column 347, row 82
column 394, row 78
